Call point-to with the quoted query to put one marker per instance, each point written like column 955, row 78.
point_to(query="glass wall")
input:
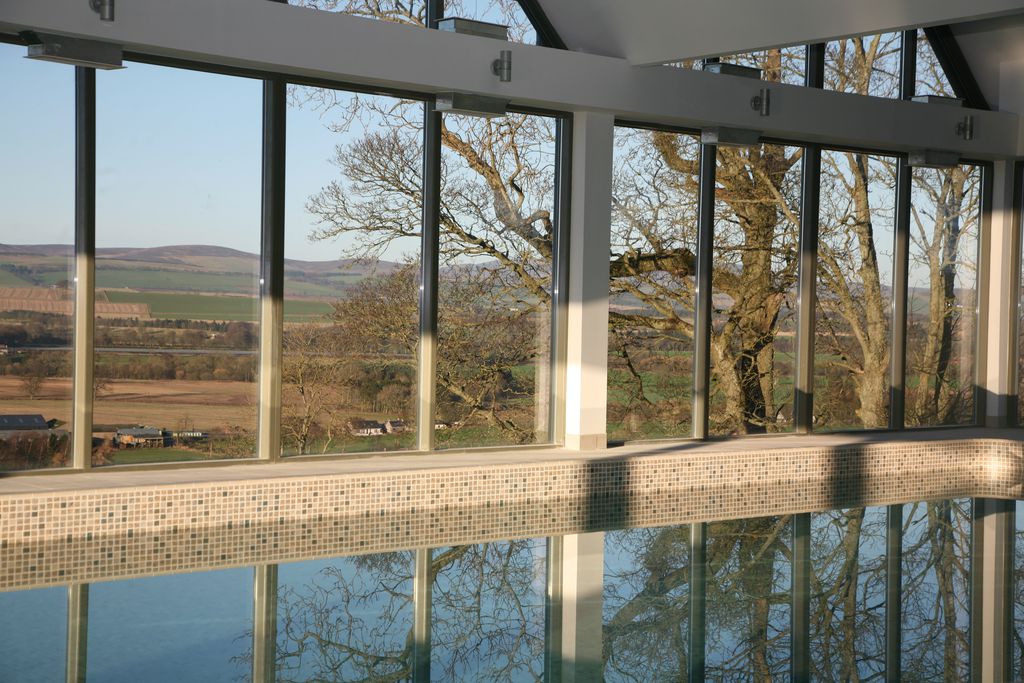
column 177, row 262
column 34, row 624
column 352, row 242
column 494, row 295
column 853, row 337
column 866, row 65
column 943, row 296
column 37, row 237
column 754, row 289
column 651, row 294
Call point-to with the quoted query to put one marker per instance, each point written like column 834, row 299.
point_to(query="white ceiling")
column 660, row 31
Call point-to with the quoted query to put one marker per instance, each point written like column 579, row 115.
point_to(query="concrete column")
column 587, row 316
column 582, row 585
column 999, row 321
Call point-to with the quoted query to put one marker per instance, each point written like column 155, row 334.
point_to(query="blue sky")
column 178, row 158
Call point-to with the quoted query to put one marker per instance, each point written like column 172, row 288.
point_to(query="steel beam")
column 383, row 55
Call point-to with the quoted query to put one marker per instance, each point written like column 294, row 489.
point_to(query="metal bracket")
column 965, row 128
column 762, row 102
column 104, row 8
column 502, row 66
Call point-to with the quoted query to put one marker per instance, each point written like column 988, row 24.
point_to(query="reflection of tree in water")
column 646, row 604
column 936, row 565
column 352, row 621
column 847, row 638
column 748, row 599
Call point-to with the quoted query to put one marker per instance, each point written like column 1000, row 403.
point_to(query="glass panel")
column 346, row 619
column 753, row 289
column 931, row 77
column 646, row 604
column 848, row 594
column 748, row 599
column 506, row 12
column 37, row 237
column 936, row 590
column 650, row 324
column 494, row 299
column 180, row 627
column 780, row 65
column 854, row 291
column 410, row 12
column 34, row 624
column 178, row 238
column 867, row 65
column 942, row 300
column 354, row 188
column 487, row 617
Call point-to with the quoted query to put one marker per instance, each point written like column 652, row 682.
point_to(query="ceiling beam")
column 381, row 55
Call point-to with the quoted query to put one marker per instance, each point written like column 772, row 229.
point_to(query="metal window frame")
column 702, row 294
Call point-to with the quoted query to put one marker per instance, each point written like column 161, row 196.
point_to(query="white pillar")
column 581, row 590
column 587, row 317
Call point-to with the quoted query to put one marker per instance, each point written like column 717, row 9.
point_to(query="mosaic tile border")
column 85, row 536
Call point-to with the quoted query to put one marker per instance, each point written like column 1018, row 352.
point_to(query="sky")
column 178, row 159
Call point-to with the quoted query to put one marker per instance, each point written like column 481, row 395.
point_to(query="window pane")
column 409, row 12
column 866, row 65
column 34, row 624
column 650, row 325
column 942, row 300
column 646, row 604
column 854, row 291
column 936, row 590
column 494, row 299
column 780, row 65
column 848, row 594
column 506, row 12
column 37, row 237
column 753, row 290
column 487, row 616
column 345, row 619
column 748, row 599
column 181, row 627
column 931, row 77
column 178, row 238
column 354, row 188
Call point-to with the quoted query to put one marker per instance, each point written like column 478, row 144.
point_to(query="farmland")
column 180, row 306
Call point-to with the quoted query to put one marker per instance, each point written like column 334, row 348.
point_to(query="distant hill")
column 181, row 268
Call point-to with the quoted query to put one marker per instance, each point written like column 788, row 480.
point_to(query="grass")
column 9, row 279
column 139, row 456
column 169, row 306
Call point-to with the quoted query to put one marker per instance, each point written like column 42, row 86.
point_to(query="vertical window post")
column 271, row 302
column 85, row 265
column 702, row 295
column 264, row 623
column 560, row 279
column 78, row 633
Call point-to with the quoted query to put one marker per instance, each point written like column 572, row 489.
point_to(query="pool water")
column 488, row 616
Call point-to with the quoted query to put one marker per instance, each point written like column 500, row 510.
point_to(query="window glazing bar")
column 901, row 249
column 560, row 280
column 800, row 617
column 698, row 600
column 429, row 253
column 78, row 633
column 553, row 611
column 986, row 302
column 1013, row 401
column 893, row 592
column 422, row 595
column 702, row 295
column 275, row 107
column 810, row 196
column 85, row 266
column 264, row 623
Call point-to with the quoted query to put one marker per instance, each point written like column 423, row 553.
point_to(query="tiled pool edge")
column 50, row 538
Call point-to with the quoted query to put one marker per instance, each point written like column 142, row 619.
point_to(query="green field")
column 230, row 308
column 140, row 456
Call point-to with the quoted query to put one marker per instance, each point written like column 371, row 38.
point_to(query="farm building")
column 366, row 428
column 141, row 437
column 20, row 423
